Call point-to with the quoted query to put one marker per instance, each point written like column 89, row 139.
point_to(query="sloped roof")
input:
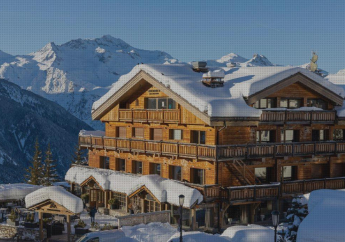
column 224, row 101
column 163, row 189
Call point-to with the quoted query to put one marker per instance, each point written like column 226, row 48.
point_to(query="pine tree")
column 295, row 215
column 35, row 171
column 50, row 173
column 78, row 158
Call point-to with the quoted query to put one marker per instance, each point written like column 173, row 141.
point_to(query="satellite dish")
column 314, row 58
column 313, row 66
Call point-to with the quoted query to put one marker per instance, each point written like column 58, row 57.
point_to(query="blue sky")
column 284, row 31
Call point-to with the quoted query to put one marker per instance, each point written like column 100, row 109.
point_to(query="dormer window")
column 316, row 102
column 160, row 103
column 264, row 103
column 291, row 103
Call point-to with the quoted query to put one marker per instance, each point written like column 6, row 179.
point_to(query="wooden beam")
column 69, row 228
column 40, row 216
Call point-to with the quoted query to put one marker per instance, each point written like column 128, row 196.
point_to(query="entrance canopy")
column 164, row 190
column 55, row 200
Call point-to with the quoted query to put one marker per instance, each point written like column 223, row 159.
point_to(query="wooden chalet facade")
column 244, row 166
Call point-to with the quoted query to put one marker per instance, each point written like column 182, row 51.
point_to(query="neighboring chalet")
column 248, row 139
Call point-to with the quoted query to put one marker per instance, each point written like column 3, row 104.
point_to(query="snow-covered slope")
column 26, row 116
column 78, row 72
column 257, row 60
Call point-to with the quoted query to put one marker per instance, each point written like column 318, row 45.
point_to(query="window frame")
column 288, row 102
column 134, row 135
column 195, row 171
column 199, row 137
column 271, row 134
column 119, row 165
column 135, row 167
column 317, row 99
column 172, row 172
column 168, row 102
column 172, row 134
column 258, row 104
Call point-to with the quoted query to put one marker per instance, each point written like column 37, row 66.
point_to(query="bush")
column 95, row 225
column 107, row 227
column 80, row 224
column 85, row 196
column 13, row 216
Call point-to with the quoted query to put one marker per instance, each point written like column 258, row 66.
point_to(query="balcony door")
column 197, row 176
column 320, row 135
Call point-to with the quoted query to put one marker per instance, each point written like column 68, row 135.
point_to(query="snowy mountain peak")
column 258, row 60
column 341, row 72
column 232, row 57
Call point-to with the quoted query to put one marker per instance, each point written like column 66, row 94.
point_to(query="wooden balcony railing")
column 291, row 116
column 270, row 191
column 215, row 152
column 149, row 115
column 207, row 152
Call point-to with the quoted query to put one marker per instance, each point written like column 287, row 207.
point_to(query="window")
column 155, row 168
column 137, row 102
column 161, row 103
column 264, row 174
column 137, row 167
column 265, row 136
column 122, row 132
column 197, row 176
column 175, row 173
column 316, row 102
column 289, row 136
column 198, row 137
column 156, row 134
column 290, row 103
column 121, row 198
column 120, row 164
column 319, row 135
column 289, row 173
column 104, row 162
column 265, row 103
column 138, row 133
column 338, row 134
column 175, row 134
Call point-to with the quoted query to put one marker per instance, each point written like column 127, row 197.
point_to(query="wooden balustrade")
column 220, row 152
column 271, row 191
column 298, row 116
column 148, row 115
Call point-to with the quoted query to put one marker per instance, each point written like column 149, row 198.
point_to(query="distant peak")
column 259, row 60
column 232, row 57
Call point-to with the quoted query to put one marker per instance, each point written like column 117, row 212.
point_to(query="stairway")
column 242, row 173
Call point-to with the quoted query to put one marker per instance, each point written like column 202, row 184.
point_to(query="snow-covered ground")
column 326, row 218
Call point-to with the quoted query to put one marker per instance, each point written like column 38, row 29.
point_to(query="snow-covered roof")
column 325, row 221
column 16, row 191
column 91, row 133
column 339, row 80
column 56, row 194
column 164, row 190
column 226, row 101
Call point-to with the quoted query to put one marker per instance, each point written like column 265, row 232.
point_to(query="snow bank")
column 325, row 221
column 218, row 102
column 197, row 236
column 56, row 194
column 158, row 232
column 91, row 133
column 16, row 191
column 250, row 233
column 164, row 190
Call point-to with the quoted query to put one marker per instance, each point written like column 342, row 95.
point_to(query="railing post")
column 197, row 151
column 324, row 183
column 132, row 117
column 177, row 148
column 130, row 145
column 311, row 117
column 335, row 148
column 91, row 141
column 303, row 186
column 229, row 195
column 315, row 148
column 254, row 193
column 293, row 149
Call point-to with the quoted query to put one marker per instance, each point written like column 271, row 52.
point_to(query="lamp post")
column 275, row 222
column 181, row 201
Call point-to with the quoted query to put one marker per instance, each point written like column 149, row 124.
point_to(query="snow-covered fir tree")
column 78, row 157
column 295, row 215
column 35, row 171
column 50, row 173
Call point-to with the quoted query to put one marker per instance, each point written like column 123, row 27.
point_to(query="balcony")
column 297, row 116
column 214, row 152
column 269, row 191
column 149, row 115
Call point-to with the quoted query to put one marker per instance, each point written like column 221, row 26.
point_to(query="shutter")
column 138, row 132
column 272, row 136
column 122, row 132
column 157, row 134
column 315, row 135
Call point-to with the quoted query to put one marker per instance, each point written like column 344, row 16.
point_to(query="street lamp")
column 181, row 201
column 275, row 222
